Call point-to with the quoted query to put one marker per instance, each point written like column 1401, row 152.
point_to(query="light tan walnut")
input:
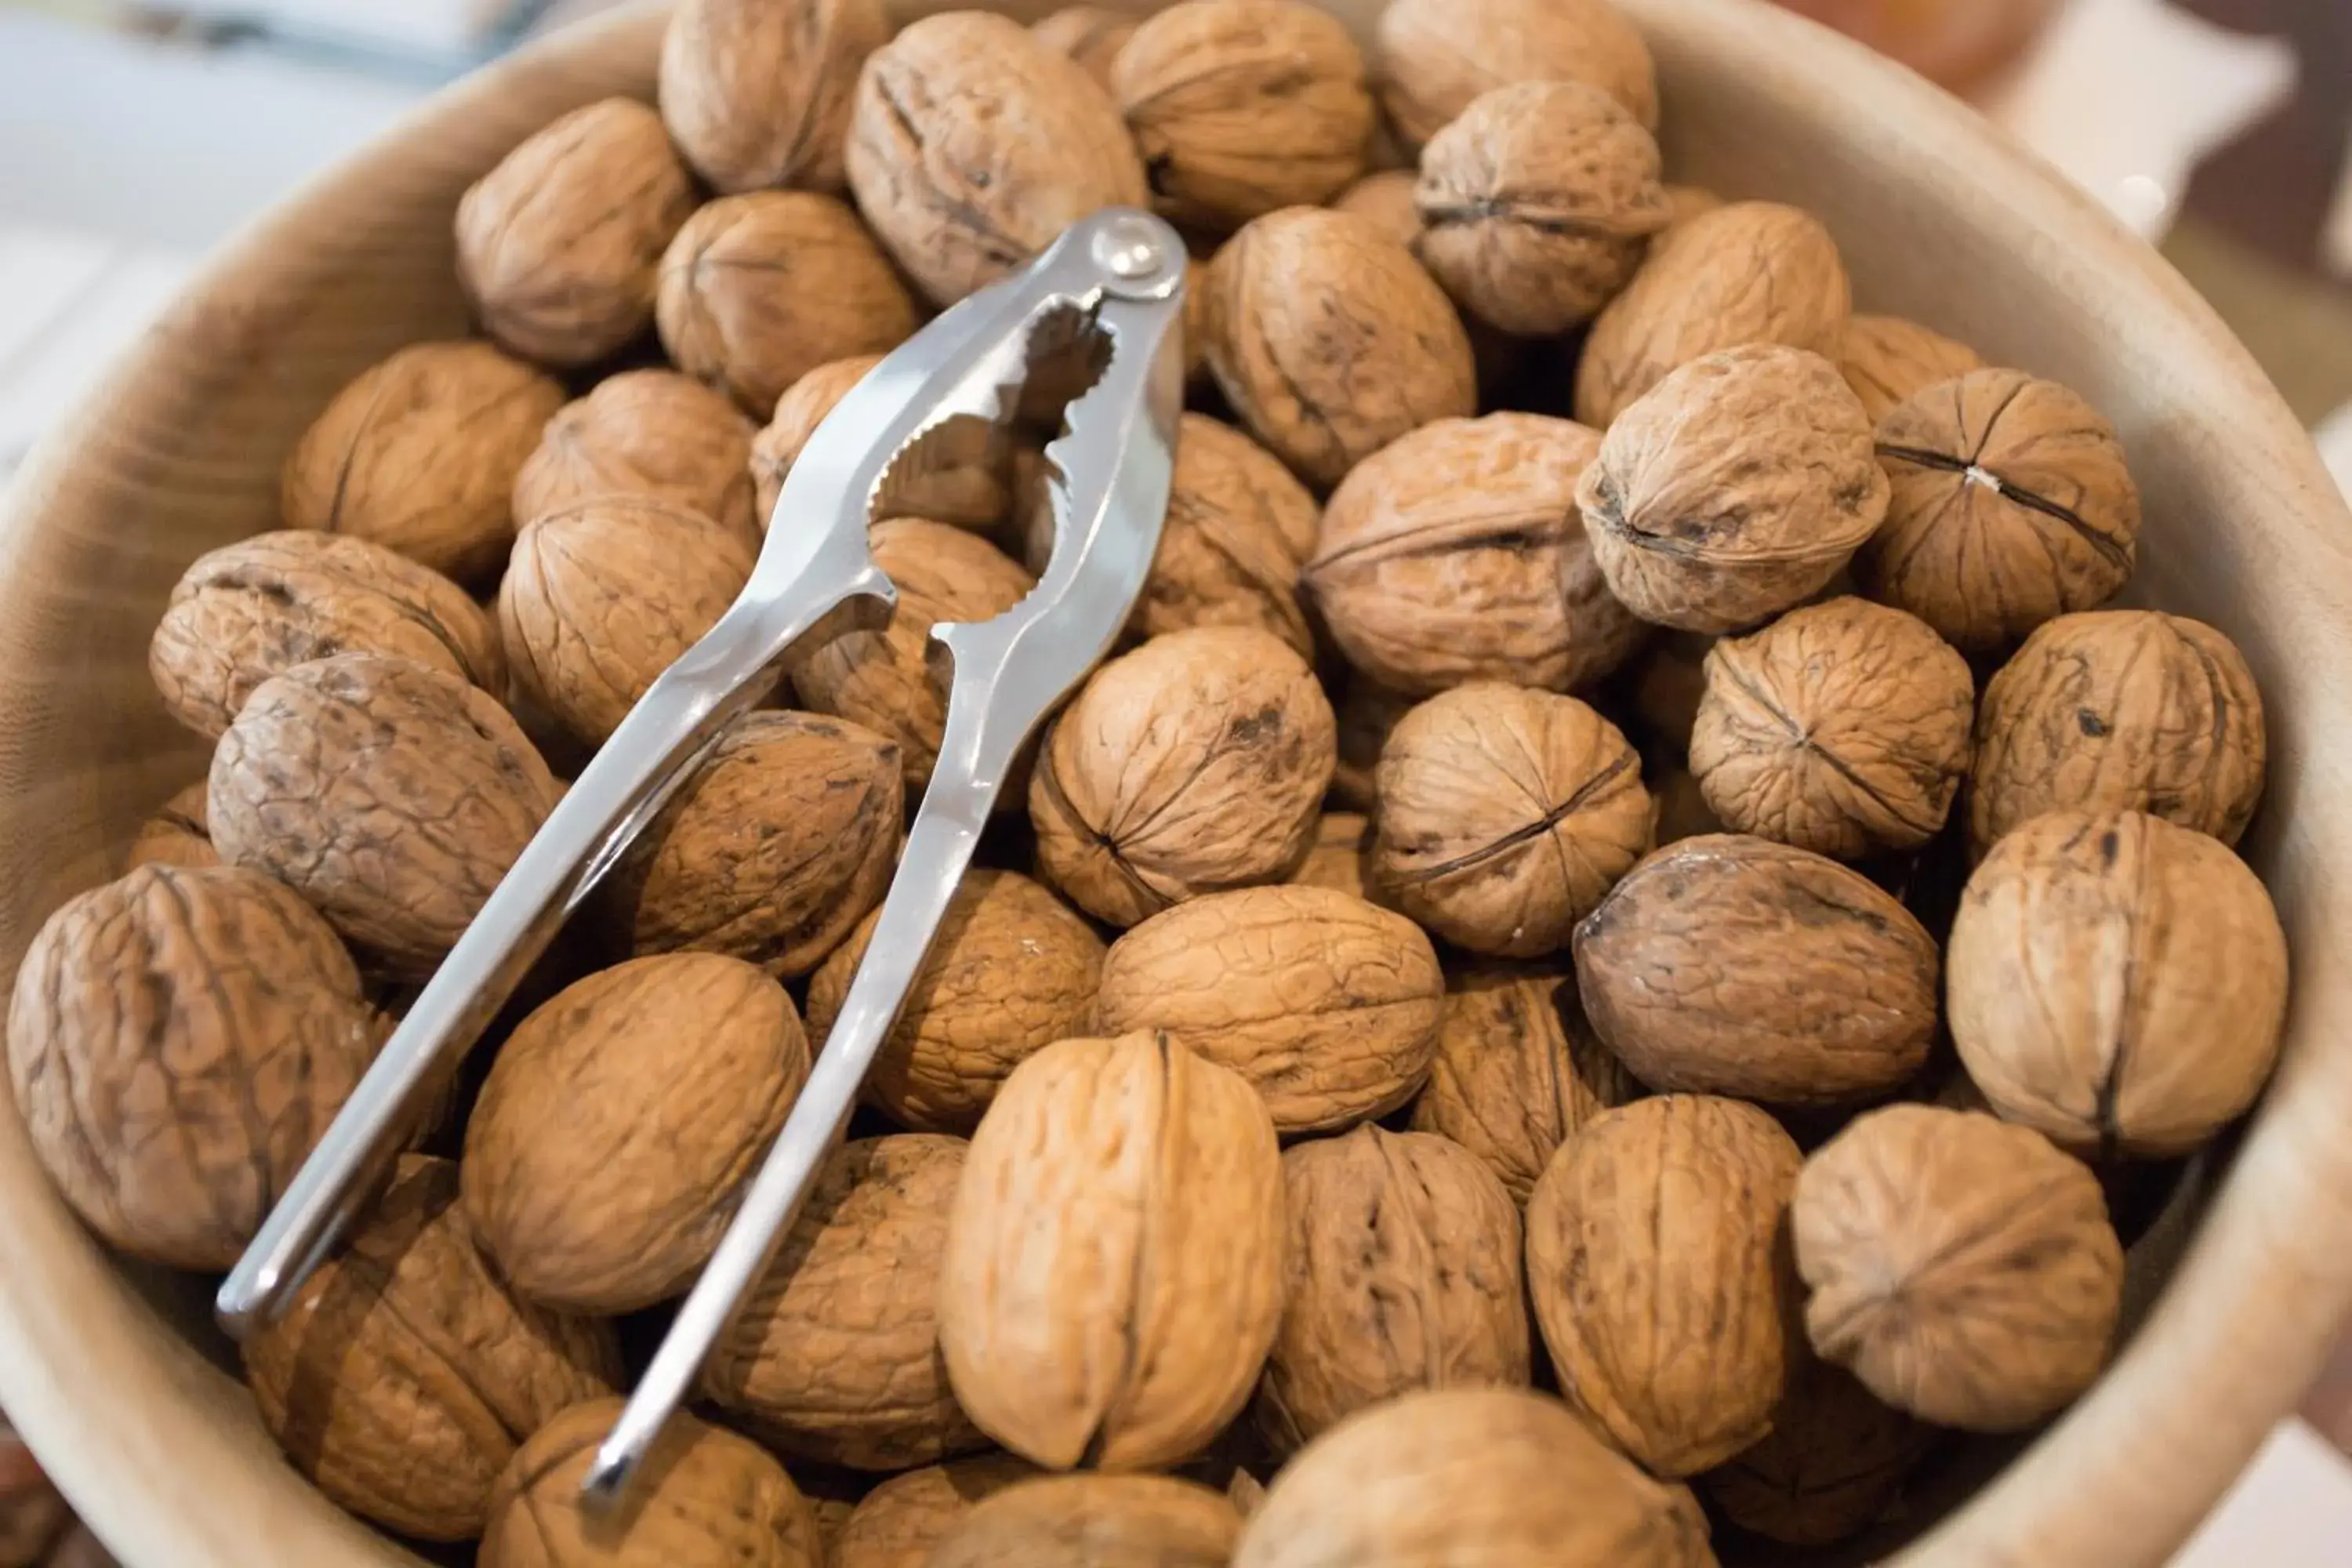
column 1090, row 34
column 1239, row 527
column 1683, row 203
column 756, row 92
column 1435, row 57
column 650, row 433
column 1385, row 201
column 1888, row 359
column 898, row 1523
column 1094, row 1521
column 1340, row 856
column 971, row 494
column 1833, row 1464
column 176, row 834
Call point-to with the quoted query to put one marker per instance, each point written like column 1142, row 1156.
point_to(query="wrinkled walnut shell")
column 969, row 495
column 1090, row 34
column 1385, row 201
column 1436, row 57
column 1365, row 712
column 1340, row 856
column 649, row 433
column 1094, row 1521
column 176, row 834
column 756, row 92
column 1239, row 528
column 1834, row 1462
column 897, row 1524
column 1888, row 359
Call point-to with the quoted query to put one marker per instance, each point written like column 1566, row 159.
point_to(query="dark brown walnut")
column 1517, row 1072
column 1240, row 107
column 1327, row 1006
column 1365, row 712
column 1090, row 34
column 1665, row 689
column 1748, row 272
column 882, row 679
column 1841, row 728
column 419, row 453
column 1193, row 765
column 1734, row 965
column 969, row 494
column 756, row 92
column 650, row 433
column 1682, row 1199
column 1331, row 342
column 1683, row 810
column 1500, row 1477
column 783, row 837
column 256, row 608
column 1888, row 359
column 835, row 1354
column 1385, row 201
column 1340, row 856
column 176, row 834
column 1538, row 204
column 621, row 1122
column 709, row 1496
column 1735, row 488
column 1239, row 528
column 2011, row 504
column 35, row 1522
column 972, row 145
column 1094, row 1521
column 1505, row 815
column 2120, row 711
column 1963, row 1269
column 1011, row 970
column 1454, row 554
column 404, row 1373
column 1833, row 1464
column 391, row 796
column 557, row 247
column 898, row 1523
column 1436, row 57
column 176, row 1042
column 2117, row 982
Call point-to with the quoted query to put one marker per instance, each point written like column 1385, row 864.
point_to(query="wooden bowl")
column 113, row 1371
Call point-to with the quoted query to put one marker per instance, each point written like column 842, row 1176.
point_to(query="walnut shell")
column 557, row 247
column 1090, row 34
column 419, row 453
column 176, row 1042
column 1330, row 342
column 604, row 596
column 176, row 834
column 2011, row 504
column 708, row 1497
column 1327, row 1006
column 1505, row 815
column 972, row 146
column 1841, row 728
column 1832, row 1465
column 1114, row 1259
column 1665, row 689
column 898, row 1522
column 1385, row 201
column 1683, row 810
column 622, row 1120
column 392, row 796
column 835, row 1356
column 1365, row 713
column 404, row 1373
column 1094, row 1521
column 1735, row 489
column 1682, row 1199
column 2120, row 711
column 2118, row 983
column 1499, row 1476
column 1011, row 971
column 1683, row 203
column 1965, row 1269
column 1454, row 554
column 256, row 608
column 1437, row 57
column 1888, row 359
column 1538, row 205
column 1748, row 272
column 1518, row 1071
column 783, row 837
column 1195, row 763
column 971, row 494
column 1340, row 856
column 756, row 93
column 649, row 433
column 1237, row 532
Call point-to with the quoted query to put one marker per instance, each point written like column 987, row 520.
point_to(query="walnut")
column 650, row 433
column 1094, row 1521
column 1090, row 34
column 620, row 1123
column 1888, row 359
column 1683, row 203
column 1454, row 554
column 1011, row 970
column 1963, row 1269
column 710, row 1497
column 756, row 93
column 1832, row 1465
column 1748, row 272
column 404, row 1373
column 1679, row 1199
column 1664, row 691
column 1538, row 205
column 1500, row 1477
column 1436, row 57
column 1240, row 107
column 972, row 145
column 1518, row 1071
column 899, row 1522
column 177, row 1040
column 1737, row 487
column 603, row 595
column 1237, row 531
column 1330, row 342
column 882, row 679
column 835, row 1356
column 176, row 834
column 1327, row 1006
column 1505, row 814
column 2117, row 982
column 2120, row 711
column 1339, row 855
column 785, row 834
column 419, row 453
column 1841, row 728
column 1365, row 714
column 970, row 494
column 1385, row 201
column 392, row 796
column 1107, row 1298
column 1193, row 763
column 557, row 247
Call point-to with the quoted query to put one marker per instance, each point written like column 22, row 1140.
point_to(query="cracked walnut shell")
column 1437, row 57
column 897, row 1524
column 1238, row 528
column 968, row 494
column 1888, row 359
column 649, row 433
column 1094, row 1521
column 756, row 92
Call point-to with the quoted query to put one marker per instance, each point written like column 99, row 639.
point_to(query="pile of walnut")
column 1433, row 1062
